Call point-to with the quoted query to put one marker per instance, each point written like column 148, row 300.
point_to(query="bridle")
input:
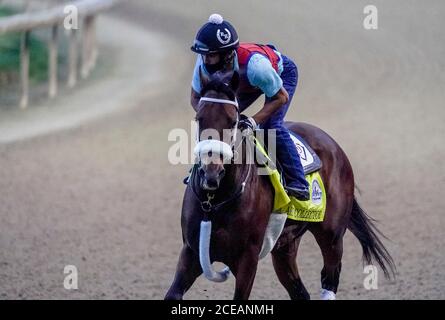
column 223, row 148
column 217, row 143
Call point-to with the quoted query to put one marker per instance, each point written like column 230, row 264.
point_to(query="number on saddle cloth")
column 309, row 159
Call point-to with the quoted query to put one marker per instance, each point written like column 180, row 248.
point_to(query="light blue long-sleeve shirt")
column 260, row 73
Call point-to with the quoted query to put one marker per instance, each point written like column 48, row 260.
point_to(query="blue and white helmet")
column 217, row 35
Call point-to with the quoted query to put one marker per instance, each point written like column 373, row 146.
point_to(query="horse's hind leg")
column 285, row 263
column 187, row 271
column 331, row 245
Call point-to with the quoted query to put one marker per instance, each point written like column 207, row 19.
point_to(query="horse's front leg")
column 187, row 271
column 244, row 271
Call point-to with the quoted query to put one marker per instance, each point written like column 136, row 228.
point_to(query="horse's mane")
column 218, row 86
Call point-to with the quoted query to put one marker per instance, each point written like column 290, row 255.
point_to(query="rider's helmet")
column 216, row 36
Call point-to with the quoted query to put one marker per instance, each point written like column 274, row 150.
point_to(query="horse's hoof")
column 327, row 295
column 173, row 297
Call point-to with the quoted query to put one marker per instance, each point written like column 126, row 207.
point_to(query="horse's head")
column 217, row 119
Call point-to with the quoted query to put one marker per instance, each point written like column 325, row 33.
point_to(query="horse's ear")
column 234, row 82
column 203, row 78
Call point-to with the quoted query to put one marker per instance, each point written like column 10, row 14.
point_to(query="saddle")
column 309, row 211
column 309, row 159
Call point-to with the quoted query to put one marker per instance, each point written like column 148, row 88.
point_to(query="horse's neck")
column 234, row 177
column 237, row 173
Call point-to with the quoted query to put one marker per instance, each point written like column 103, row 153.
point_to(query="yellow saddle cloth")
column 312, row 210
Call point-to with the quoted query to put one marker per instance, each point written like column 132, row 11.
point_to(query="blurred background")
column 84, row 174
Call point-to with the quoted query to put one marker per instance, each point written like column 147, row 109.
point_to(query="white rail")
column 25, row 23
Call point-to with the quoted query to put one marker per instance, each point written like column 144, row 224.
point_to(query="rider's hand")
column 247, row 123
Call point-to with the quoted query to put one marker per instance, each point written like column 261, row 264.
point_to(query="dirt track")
column 103, row 196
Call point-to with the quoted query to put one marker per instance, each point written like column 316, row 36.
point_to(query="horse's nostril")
column 222, row 173
column 201, row 172
column 212, row 183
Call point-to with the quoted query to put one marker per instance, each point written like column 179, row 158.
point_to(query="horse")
column 227, row 206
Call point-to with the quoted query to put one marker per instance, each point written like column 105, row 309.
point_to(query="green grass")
column 10, row 53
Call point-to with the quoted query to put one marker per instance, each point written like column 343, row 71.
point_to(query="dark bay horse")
column 227, row 206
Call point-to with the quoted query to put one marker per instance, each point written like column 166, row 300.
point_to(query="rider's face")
column 211, row 58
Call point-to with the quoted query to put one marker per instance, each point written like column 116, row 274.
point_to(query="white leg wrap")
column 327, row 295
column 273, row 231
column 204, row 255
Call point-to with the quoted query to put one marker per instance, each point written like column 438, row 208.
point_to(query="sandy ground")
column 102, row 195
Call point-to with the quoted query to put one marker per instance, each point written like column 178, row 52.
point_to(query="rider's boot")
column 296, row 184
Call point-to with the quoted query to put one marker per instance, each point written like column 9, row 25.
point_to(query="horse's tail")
column 204, row 255
column 362, row 226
